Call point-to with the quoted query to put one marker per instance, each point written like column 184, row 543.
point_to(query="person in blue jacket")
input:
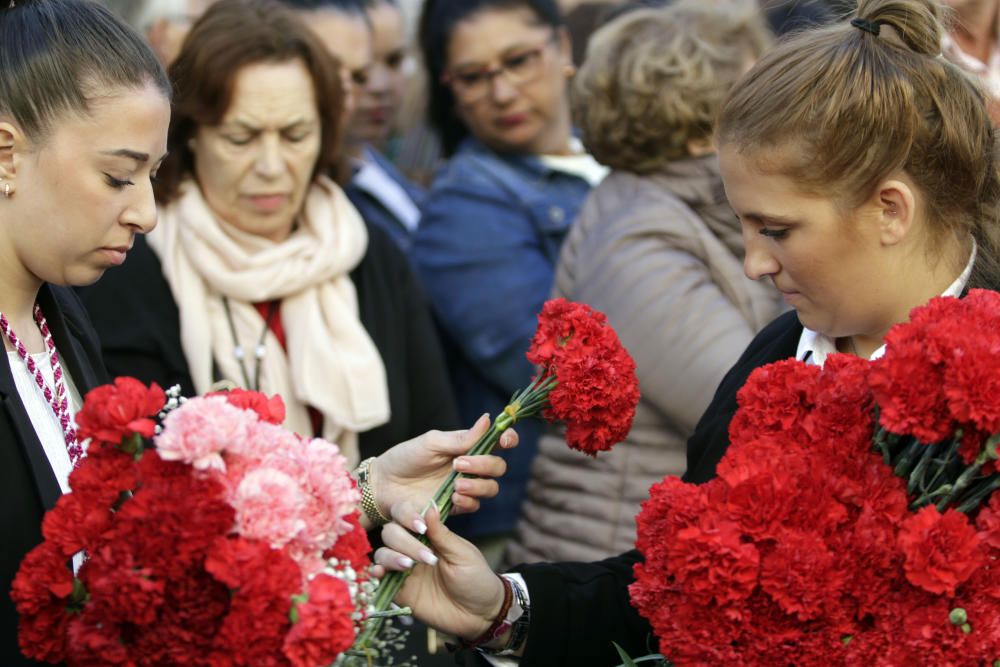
column 497, row 213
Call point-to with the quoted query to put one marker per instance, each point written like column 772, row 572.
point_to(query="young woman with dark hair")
column 84, row 109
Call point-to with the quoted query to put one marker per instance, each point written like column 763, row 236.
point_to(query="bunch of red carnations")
column 852, row 520
column 586, row 382
column 232, row 542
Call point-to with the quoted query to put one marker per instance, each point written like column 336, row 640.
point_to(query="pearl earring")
column 6, row 190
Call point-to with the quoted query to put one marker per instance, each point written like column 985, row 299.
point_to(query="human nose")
column 759, row 262
column 502, row 88
column 268, row 161
column 378, row 79
column 140, row 215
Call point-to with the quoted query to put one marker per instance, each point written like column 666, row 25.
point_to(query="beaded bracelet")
column 500, row 623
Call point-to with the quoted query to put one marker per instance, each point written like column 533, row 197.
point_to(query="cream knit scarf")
column 332, row 364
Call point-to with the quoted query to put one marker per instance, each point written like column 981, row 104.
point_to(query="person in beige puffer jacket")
column 656, row 248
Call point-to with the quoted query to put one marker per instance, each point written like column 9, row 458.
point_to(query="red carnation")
column 942, row 550
column 104, row 475
column 565, row 327
column 262, row 581
column 972, row 376
column 988, row 523
column 271, row 410
column 353, row 547
column 41, row 592
column 711, row 561
column 324, row 627
column 597, row 390
column 76, row 523
column 909, row 380
column 802, row 575
column 113, row 412
column 775, row 401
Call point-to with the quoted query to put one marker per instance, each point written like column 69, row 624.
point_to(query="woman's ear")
column 896, row 204
column 11, row 141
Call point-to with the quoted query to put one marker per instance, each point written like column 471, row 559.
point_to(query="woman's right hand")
column 455, row 591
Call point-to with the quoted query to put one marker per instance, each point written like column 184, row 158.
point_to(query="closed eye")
column 773, row 233
column 116, row 183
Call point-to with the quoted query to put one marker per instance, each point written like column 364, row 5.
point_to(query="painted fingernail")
column 404, row 562
column 420, row 526
column 505, row 440
column 462, row 464
column 426, row 556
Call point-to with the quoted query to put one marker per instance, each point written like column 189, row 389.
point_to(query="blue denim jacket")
column 486, row 249
column 374, row 212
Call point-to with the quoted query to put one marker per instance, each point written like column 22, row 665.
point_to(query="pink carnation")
column 270, row 507
column 264, row 443
column 334, row 495
column 200, row 430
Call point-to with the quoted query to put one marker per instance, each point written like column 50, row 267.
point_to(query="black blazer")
column 136, row 317
column 579, row 609
column 28, row 486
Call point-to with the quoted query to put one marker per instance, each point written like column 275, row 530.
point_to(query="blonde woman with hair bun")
column 863, row 168
column 658, row 249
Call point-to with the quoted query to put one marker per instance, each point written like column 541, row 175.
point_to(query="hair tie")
column 867, row 26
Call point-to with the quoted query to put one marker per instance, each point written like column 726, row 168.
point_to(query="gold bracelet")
column 366, row 483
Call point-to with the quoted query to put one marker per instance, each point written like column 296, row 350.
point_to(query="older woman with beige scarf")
column 261, row 274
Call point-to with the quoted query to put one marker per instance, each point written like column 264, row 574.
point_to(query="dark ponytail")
column 56, row 54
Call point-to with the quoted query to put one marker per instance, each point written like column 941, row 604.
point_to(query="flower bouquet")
column 232, row 542
column 586, row 380
column 852, row 520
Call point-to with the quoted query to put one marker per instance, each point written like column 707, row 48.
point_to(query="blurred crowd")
column 372, row 234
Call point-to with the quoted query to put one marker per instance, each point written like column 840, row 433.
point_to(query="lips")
column 115, row 255
column 267, row 202
column 376, row 115
column 511, row 120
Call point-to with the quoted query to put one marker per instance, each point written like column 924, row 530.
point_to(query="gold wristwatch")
column 366, row 483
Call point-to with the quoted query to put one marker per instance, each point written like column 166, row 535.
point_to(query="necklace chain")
column 58, row 399
column 259, row 350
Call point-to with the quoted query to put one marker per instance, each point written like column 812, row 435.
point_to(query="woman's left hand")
column 413, row 470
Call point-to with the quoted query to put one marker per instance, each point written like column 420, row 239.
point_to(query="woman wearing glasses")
column 497, row 214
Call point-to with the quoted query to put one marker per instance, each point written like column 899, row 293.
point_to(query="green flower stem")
column 529, row 402
column 966, row 478
column 972, row 501
column 945, row 462
column 917, row 476
column 906, row 460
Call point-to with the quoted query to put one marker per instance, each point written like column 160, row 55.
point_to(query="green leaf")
column 634, row 662
column 626, row 660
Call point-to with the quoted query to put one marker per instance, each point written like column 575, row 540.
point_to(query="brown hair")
column 655, row 79
column 231, row 35
column 841, row 108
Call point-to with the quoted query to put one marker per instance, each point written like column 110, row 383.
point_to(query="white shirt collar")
column 579, row 163
column 814, row 347
column 374, row 180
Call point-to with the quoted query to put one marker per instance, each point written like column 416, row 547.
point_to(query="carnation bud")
column 991, row 451
column 293, row 613
column 846, row 639
column 958, row 616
